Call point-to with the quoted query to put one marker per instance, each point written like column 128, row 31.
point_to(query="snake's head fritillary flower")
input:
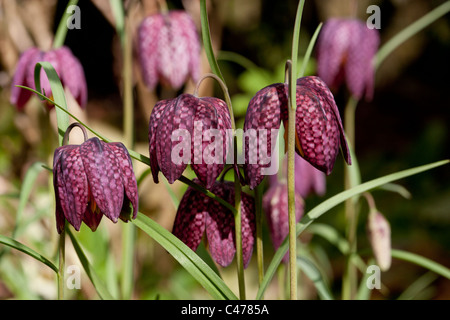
column 275, row 205
column 379, row 232
column 319, row 130
column 345, row 52
column 199, row 214
column 91, row 180
column 66, row 65
column 169, row 49
column 192, row 130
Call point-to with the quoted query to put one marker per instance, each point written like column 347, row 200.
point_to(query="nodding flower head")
column 169, row 49
column 91, row 180
column 318, row 126
column 67, row 66
column 275, row 205
column 198, row 213
column 379, row 232
column 345, row 52
column 202, row 125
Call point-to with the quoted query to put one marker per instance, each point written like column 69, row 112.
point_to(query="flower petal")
column 71, row 186
column 178, row 115
column 189, row 225
column 104, row 177
column 263, row 115
column 127, row 174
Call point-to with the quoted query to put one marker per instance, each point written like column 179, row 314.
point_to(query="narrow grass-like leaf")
column 309, row 50
column 57, row 92
column 418, row 286
column 99, row 286
column 61, row 32
column 207, row 43
column 421, row 261
column 186, row 257
column 325, row 206
column 25, row 249
column 313, row 273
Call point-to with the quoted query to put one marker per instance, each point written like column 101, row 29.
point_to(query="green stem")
column 62, row 259
column 61, row 32
column 349, row 285
column 259, row 240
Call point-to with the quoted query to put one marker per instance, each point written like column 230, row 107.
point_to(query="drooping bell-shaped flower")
column 319, row 130
column 275, row 205
column 192, row 130
column 307, row 178
column 198, row 213
column 169, row 49
column 379, row 232
column 66, row 65
column 345, row 52
column 91, row 180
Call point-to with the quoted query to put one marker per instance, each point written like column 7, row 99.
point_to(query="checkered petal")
column 148, row 35
column 19, row 97
column 318, row 125
column 189, row 225
column 178, row 114
column 263, row 113
column 127, row 174
column 104, row 177
column 155, row 118
column 275, row 205
column 248, row 225
column 71, row 186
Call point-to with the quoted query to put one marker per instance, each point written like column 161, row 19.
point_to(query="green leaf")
column 330, row 203
column 25, row 249
column 313, row 273
column 90, row 271
column 186, row 257
column 61, row 32
column 57, row 92
column 207, row 43
column 421, row 261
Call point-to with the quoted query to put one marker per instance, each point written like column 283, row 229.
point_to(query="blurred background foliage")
column 405, row 125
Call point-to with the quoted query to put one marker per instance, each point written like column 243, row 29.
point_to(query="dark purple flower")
column 169, row 49
column 202, row 124
column 319, row 130
column 67, row 66
column 198, row 213
column 345, row 51
column 275, row 205
column 91, row 180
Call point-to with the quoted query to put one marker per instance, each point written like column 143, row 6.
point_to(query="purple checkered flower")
column 275, row 205
column 67, row 66
column 198, row 213
column 91, row 180
column 169, row 49
column 345, row 52
column 319, row 130
column 200, row 123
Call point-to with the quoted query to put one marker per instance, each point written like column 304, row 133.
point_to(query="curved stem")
column 69, row 128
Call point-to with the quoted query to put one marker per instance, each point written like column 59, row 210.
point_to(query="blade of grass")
column 99, row 286
column 27, row 250
column 421, row 261
column 186, row 257
column 325, row 206
column 313, row 273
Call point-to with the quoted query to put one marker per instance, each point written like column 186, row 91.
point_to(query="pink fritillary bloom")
column 345, row 52
column 319, row 130
column 194, row 120
column 275, row 205
column 66, row 65
column 379, row 232
column 199, row 214
column 169, row 49
column 91, row 180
